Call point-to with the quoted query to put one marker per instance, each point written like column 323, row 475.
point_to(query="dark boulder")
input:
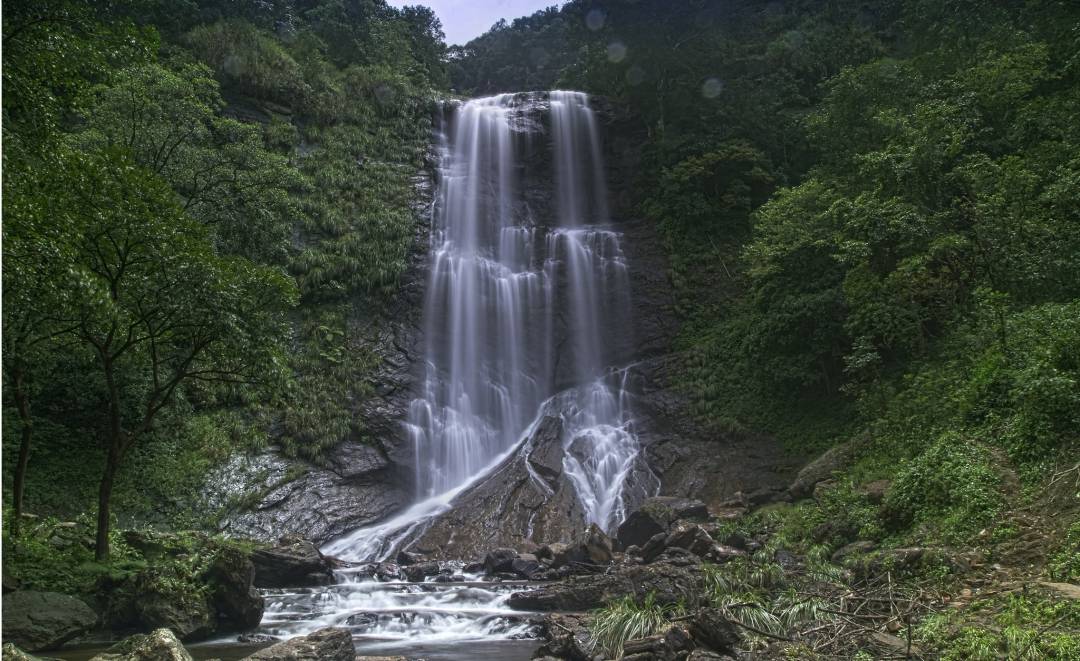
column 329, row 644
column 656, row 515
column 671, row 644
column 712, row 629
column 405, row 558
column 188, row 614
column 691, row 537
column 499, row 560
column 549, row 552
column 418, row 572
column 592, row 548
column 236, row 602
column 44, row 620
column 294, row 562
column 527, row 566
column 653, row 547
column 669, row 584
column 597, row 546
column 568, row 637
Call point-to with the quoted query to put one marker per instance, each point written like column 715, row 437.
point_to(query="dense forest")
column 871, row 216
column 198, row 202
column 870, row 211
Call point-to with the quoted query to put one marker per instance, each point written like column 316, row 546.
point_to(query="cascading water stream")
column 526, row 303
column 515, row 309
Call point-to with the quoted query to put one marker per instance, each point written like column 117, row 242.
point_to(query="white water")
column 499, row 281
column 400, row 617
column 524, row 306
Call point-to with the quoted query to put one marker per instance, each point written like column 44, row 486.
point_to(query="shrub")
column 1064, row 563
column 249, row 60
column 951, row 485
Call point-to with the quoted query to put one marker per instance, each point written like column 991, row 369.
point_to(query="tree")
column 33, row 251
column 225, row 176
column 53, row 51
column 152, row 300
column 426, row 40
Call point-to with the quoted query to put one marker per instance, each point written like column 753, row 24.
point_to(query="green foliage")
column 953, row 484
column 1013, row 627
column 163, row 194
column 840, row 515
column 56, row 556
column 170, row 123
column 249, row 61
column 756, row 593
column 625, row 619
column 1064, row 562
column 54, row 51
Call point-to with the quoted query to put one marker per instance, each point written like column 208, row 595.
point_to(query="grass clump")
column 625, row 619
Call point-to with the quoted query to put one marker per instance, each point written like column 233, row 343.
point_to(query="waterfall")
column 526, row 302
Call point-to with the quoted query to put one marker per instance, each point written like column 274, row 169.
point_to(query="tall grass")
column 625, row 619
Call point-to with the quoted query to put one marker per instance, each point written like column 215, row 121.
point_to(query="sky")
column 463, row 20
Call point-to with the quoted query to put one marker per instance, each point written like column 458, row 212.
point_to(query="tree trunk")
column 23, row 402
column 112, row 462
column 101, row 548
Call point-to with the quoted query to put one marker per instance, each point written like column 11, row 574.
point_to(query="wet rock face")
column 530, row 500
column 358, row 486
column 527, row 498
